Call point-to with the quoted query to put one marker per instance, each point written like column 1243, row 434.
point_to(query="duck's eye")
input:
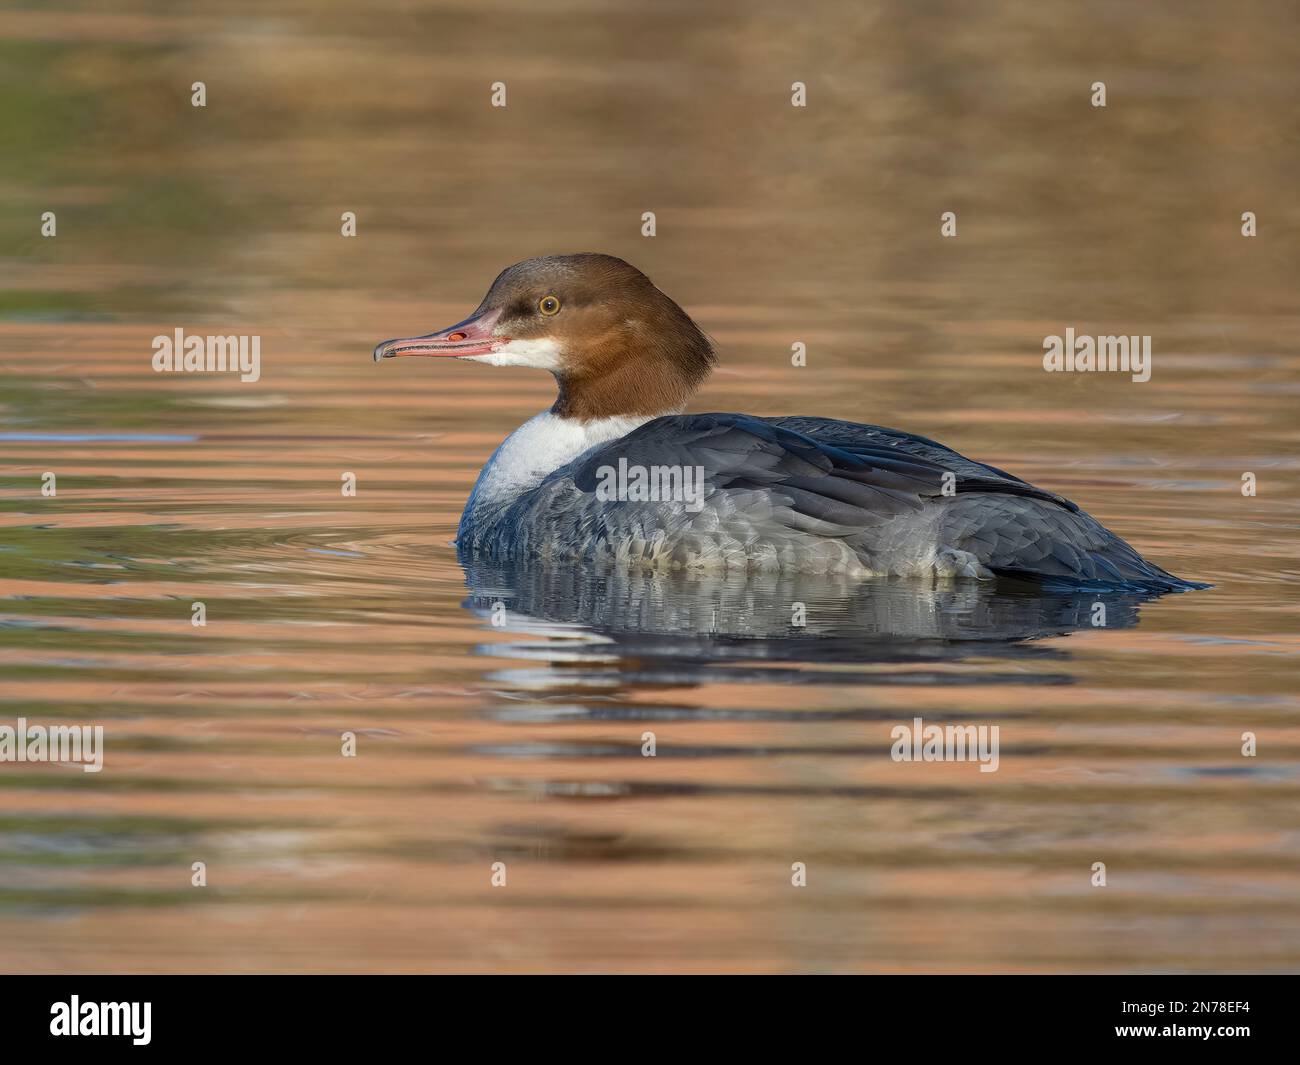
column 548, row 305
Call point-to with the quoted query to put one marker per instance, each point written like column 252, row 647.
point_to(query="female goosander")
column 794, row 494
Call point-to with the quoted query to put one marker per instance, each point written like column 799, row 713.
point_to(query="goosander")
column 791, row 494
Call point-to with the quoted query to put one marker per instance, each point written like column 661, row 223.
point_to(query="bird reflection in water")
column 684, row 627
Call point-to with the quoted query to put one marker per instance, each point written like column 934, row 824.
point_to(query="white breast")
column 538, row 447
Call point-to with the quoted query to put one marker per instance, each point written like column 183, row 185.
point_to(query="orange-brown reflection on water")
column 522, row 743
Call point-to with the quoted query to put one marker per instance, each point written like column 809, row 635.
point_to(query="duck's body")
column 795, row 494
column 613, row 474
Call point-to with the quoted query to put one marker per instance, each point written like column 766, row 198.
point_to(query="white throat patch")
column 543, row 354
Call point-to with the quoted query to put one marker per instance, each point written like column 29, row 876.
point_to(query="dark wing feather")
column 850, row 476
column 848, row 435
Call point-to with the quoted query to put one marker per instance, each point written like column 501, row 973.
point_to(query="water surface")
column 521, row 742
